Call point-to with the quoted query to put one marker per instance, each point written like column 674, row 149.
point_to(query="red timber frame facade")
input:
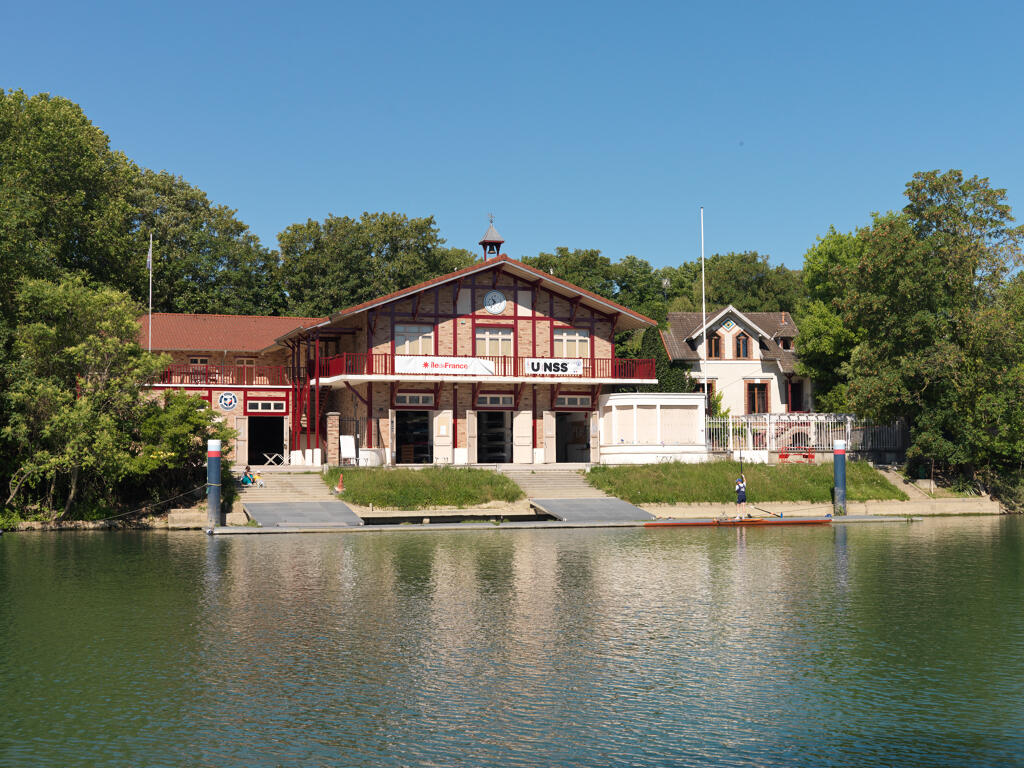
column 262, row 387
column 346, row 369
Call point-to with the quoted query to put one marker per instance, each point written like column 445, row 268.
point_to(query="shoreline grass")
column 423, row 488
column 713, row 482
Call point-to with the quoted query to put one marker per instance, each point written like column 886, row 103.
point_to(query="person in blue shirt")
column 741, row 495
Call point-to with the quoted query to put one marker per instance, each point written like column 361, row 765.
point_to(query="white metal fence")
column 817, row 431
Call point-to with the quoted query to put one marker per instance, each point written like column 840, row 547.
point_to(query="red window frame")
column 742, row 337
column 715, row 347
column 752, row 389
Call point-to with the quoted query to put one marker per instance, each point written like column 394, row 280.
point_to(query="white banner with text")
column 533, row 366
column 441, row 365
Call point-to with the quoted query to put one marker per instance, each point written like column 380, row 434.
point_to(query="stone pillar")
column 333, row 439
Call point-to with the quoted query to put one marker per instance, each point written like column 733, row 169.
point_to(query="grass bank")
column 677, row 483
column 423, row 488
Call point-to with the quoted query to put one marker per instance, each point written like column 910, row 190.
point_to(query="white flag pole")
column 703, row 307
column 149, row 263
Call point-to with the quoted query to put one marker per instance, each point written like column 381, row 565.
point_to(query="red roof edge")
column 501, row 258
column 664, row 344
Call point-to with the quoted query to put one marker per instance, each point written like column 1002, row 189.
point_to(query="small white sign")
column 553, row 366
column 227, row 401
column 443, row 365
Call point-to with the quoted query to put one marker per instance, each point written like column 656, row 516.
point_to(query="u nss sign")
column 553, row 366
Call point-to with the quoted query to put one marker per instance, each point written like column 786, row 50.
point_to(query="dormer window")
column 715, row 347
column 786, row 343
column 743, row 346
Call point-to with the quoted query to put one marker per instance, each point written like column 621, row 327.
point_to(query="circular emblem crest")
column 227, row 401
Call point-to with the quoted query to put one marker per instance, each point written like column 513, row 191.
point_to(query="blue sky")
column 588, row 125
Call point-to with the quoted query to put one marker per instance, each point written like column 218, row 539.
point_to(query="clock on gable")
column 494, row 302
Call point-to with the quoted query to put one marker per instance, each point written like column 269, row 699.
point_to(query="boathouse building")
column 494, row 363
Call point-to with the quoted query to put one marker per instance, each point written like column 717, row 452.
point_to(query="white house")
column 750, row 358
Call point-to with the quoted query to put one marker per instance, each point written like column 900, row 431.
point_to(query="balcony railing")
column 181, row 374
column 369, row 364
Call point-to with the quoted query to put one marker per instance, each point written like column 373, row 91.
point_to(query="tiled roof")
column 215, row 333
column 775, row 324
column 491, row 236
column 631, row 319
column 682, row 335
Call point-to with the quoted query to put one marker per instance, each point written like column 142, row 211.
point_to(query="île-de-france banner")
column 442, row 365
column 555, row 366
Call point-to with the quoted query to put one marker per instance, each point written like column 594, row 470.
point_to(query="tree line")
column 897, row 319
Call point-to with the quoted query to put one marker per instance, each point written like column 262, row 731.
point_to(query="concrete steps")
column 553, row 484
column 913, row 491
column 280, row 486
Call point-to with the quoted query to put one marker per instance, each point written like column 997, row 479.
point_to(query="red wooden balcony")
column 371, row 364
column 183, row 374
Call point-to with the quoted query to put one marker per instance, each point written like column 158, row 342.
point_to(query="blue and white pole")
column 839, row 477
column 213, row 514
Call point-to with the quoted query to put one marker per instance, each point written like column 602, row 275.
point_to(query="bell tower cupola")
column 491, row 241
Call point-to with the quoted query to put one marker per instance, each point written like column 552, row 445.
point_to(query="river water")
column 888, row 644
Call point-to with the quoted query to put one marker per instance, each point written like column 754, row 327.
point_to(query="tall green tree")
column 672, row 376
column 748, row 282
column 62, row 195
column 921, row 295
column 204, row 259
column 826, row 341
column 340, row 262
column 76, row 393
column 77, row 403
column 639, row 287
column 585, row 267
column 745, row 280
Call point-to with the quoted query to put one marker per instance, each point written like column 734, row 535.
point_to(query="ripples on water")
column 873, row 645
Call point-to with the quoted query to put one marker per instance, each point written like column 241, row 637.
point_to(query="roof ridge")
column 475, row 267
column 219, row 314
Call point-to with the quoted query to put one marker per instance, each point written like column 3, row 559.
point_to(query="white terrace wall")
column 649, row 427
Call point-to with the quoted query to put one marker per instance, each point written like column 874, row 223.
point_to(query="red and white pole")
column 839, row 477
column 213, row 512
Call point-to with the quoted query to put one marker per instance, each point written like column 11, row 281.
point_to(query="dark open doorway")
column 266, row 440
column 572, row 438
column 412, row 437
column 796, row 396
column 494, row 437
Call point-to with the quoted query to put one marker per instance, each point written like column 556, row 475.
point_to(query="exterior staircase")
column 555, row 483
column 280, row 486
column 288, row 486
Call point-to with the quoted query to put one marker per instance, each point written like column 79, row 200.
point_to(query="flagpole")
column 703, row 309
column 149, row 263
